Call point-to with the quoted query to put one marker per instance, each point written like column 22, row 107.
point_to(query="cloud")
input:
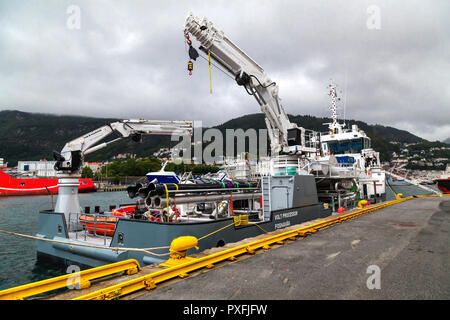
column 129, row 60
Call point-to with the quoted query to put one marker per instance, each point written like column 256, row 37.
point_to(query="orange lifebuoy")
column 341, row 210
column 123, row 211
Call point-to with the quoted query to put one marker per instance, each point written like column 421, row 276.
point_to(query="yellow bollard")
column 182, row 244
column 178, row 249
column 362, row 203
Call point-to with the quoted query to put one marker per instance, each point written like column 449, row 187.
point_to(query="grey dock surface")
column 409, row 243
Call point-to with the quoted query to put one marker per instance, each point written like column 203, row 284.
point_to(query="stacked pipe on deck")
column 153, row 193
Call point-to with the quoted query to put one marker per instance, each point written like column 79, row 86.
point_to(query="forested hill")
column 380, row 135
column 33, row 136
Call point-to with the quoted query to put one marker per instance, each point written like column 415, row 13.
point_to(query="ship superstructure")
column 350, row 149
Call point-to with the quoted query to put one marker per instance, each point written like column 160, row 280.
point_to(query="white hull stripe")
column 35, row 189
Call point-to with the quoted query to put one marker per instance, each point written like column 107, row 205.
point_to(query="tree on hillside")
column 87, row 173
column 131, row 167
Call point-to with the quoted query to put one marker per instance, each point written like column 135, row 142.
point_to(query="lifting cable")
column 226, row 73
column 210, row 79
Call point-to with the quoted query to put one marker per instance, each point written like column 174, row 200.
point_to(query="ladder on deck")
column 265, row 188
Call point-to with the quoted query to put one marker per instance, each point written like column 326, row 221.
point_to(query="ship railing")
column 311, row 139
column 351, row 172
column 75, row 225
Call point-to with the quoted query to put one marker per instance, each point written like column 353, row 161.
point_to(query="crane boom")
column 71, row 157
column 285, row 137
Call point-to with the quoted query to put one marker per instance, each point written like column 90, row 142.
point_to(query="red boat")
column 443, row 185
column 10, row 186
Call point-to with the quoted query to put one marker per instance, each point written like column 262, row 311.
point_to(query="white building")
column 37, row 168
column 3, row 163
column 94, row 166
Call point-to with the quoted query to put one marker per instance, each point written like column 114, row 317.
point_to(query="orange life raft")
column 100, row 225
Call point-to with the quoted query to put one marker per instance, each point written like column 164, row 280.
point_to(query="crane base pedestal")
column 68, row 201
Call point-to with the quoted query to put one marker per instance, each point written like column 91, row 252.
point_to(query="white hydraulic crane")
column 69, row 161
column 71, row 157
column 285, row 137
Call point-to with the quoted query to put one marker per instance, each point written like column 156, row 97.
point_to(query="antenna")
column 333, row 105
column 334, row 126
column 346, row 89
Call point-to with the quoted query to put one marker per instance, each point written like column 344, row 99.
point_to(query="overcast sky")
column 128, row 59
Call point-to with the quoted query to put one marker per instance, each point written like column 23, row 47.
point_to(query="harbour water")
column 20, row 214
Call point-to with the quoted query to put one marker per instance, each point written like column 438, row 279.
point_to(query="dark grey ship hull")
column 288, row 201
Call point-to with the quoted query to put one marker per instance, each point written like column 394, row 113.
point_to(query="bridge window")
column 346, row 146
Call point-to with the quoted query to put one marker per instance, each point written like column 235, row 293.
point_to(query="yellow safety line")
column 149, row 281
column 433, row 195
column 80, row 279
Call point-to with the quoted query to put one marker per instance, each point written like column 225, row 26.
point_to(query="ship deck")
column 89, row 238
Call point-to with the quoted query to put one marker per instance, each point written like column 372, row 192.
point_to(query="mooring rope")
column 216, row 231
column 255, row 224
column 229, row 225
column 116, row 249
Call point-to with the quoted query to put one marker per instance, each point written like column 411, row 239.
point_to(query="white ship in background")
column 345, row 167
column 349, row 152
